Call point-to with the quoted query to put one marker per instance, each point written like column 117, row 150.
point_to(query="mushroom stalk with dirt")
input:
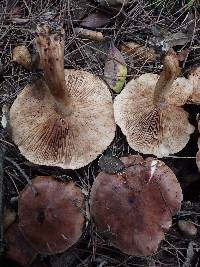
column 149, row 110
column 65, row 119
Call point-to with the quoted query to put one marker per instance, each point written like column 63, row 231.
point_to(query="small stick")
column 24, row 174
column 89, row 34
column 2, row 153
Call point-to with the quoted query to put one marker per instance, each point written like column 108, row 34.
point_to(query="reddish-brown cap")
column 53, row 220
column 18, row 248
column 134, row 208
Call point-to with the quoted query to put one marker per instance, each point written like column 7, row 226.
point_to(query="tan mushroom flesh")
column 133, row 209
column 66, row 120
column 53, row 220
column 194, row 77
column 149, row 111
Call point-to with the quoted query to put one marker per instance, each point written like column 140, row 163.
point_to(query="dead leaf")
column 138, row 51
column 112, row 2
column 115, row 69
column 96, row 20
column 78, row 10
column 165, row 40
column 89, row 34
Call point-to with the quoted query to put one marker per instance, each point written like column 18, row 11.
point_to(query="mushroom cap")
column 133, row 209
column 151, row 129
column 18, row 248
column 194, row 77
column 47, row 133
column 53, row 220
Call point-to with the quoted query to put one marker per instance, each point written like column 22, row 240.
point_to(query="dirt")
column 132, row 23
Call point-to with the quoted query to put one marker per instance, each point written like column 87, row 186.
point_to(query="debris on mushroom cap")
column 149, row 113
column 18, row 248
column 66, row 120
column 134, row 208
column 53, row 220
column 194, row 77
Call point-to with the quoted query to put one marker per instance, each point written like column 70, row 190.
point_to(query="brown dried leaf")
column 96, row 20
column 112, row 2
column 165, row 40
column 115, row 69
column 138, row 51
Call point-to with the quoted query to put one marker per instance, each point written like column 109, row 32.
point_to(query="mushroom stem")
column 50, row 45
column 168, row 75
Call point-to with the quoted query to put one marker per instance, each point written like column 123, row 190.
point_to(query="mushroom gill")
column 67, row 119
column 149, row 110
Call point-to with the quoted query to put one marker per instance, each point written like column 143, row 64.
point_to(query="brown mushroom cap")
column 18, row 248
column 58, row 132
column 194, row 77
column 133, row 209
column 53, row 220
column 154, row 128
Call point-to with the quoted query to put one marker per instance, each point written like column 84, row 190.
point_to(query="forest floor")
column 141, row 22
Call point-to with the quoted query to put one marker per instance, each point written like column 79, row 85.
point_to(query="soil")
column 132, row 23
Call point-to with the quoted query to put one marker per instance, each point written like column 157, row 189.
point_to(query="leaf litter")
column 131, row 23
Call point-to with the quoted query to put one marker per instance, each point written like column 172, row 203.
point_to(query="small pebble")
column 187, row 228
column 9, row 217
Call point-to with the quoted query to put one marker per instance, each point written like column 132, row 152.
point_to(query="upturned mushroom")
column 149, row 111
column 53, row 220
column 67, row 119
column 198, row 153
column 134, row 208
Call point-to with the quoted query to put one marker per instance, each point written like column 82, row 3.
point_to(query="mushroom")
column 22, row 56
column 18, row 248
column 194, row 77
column 53, row 220
column 149, row 110
column 66, row 120
column 132, row 209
